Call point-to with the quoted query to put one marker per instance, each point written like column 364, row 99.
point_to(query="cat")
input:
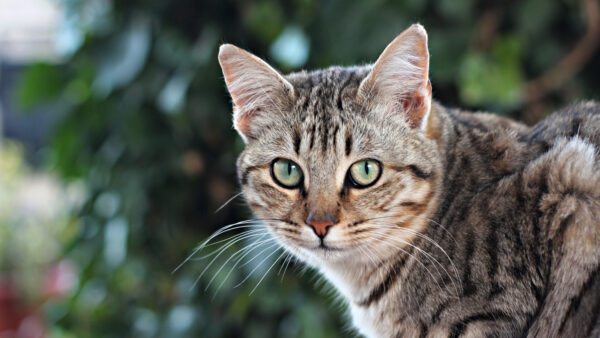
column 429, row 221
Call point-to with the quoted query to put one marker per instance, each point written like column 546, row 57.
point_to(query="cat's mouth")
column 324, row 247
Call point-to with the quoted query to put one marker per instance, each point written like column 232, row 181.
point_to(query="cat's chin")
column 320, row 256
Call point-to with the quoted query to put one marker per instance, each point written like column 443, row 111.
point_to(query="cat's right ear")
column 399, row 79
column 257, row 90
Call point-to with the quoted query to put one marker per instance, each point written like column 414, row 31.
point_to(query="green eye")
column 364, row 173
column 286, row 173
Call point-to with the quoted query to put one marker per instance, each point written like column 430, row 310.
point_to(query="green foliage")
column 145, row 123
column 495, row 77
column 41, row 82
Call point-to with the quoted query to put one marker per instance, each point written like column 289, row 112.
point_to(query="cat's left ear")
column 399, row 81
column 258, row 91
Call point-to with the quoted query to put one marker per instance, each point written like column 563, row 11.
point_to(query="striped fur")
column 479, row 226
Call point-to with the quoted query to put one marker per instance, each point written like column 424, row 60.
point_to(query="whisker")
column 211, row 237
column 284, row 264
column 250, row 261
column 256, row 243
column 429, row 239
column 223, row 230
column 292, row 257
column 269, row 269
column 247, row 250
column 231, row 238
column 427, row 255
column 441, row 226
column 231, row 242
column 368, row 253
column 244, row 251
column 228, row 201
column 385, row 239
column 225, row 247
column 258, row 265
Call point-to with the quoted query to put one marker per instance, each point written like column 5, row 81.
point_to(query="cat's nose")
column 321, row 225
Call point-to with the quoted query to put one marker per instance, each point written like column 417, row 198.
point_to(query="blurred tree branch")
column 572, row 63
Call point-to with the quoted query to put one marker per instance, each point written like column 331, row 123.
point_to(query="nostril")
column 320, row 227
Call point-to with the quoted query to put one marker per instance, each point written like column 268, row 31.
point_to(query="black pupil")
column 289, row 169
column 366, row 167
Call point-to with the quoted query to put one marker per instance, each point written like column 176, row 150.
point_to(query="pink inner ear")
column 254, row 87
column 242, row 122
column 400, row 77
column 415, row 106
column 414, row 109
column 406, row 104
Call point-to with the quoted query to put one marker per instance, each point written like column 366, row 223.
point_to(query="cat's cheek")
column 267, row 201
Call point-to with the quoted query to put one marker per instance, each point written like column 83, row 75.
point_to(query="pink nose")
column 321, row 227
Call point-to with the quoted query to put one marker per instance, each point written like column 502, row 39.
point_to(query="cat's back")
column 543, row 184
column 581, row 120
column 561, row 184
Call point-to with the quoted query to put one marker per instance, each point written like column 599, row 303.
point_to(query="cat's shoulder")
column 570, row 161
column 486, row 122
column 561, row 169
column 564, row 185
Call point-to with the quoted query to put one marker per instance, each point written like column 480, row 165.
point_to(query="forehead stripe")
column 335, row 134
column 324, row 136
column 297, row 141
column 348, row 144
column 312, row 136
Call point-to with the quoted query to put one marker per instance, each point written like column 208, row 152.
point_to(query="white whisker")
column 231, row 238
column 269, row 269
column 258, row 265
column 211, row 237
column 228, row 201
column 429, row 239
column 385, row 240
column 284, row 265
column 257, row 243
column 425, row 237
column 246, row 251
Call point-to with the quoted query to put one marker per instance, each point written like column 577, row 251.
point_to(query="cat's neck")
column 479, row 148
column 354, row 280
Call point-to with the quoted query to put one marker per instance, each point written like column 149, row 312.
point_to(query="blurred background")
column 116, row 147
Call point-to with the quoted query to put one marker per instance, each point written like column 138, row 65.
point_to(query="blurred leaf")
column 534, row 26
column 265, row 19
column 456, row 9
column 495, row 78
column 121, row 60
column 172, row 96
column 40, row 83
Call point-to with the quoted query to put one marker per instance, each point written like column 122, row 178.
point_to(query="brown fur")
column 478, row 225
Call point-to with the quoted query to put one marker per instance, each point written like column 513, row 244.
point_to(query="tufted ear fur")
column 399, row 80
column 255, row 87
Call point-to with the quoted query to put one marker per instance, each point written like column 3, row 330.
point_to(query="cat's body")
column 475, row 225
column 521, row 222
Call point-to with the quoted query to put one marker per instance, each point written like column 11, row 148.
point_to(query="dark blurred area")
column 117, row 147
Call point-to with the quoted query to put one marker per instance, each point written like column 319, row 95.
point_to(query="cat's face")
column 340, row 163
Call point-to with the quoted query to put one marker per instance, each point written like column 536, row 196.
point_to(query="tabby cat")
column 429, row 221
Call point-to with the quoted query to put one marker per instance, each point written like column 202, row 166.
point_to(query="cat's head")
column 341, row 163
